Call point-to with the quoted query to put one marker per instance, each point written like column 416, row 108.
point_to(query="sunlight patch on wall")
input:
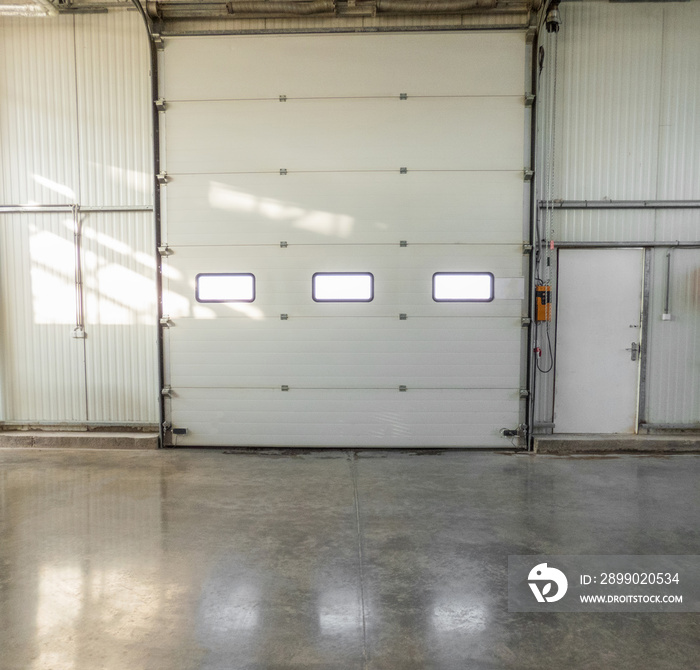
column 52, row 252
column 315, row 221
column 53, row 298
column 123, row 296
column 133, row 180
column 107, row 241
column 53, row 278
column 61, row 189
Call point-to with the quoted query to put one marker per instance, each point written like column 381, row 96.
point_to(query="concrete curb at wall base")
column 77, row 440
column 615, row 444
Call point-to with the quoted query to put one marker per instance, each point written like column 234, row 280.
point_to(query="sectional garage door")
column 397, row 156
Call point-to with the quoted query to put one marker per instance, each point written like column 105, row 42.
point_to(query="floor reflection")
column 201, row 560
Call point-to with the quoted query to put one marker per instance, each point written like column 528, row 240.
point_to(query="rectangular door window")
column 342, row 287
column 221, row 287
column 463, row 287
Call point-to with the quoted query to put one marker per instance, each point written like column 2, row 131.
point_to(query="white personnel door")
column 599, row 304
column 397, row 155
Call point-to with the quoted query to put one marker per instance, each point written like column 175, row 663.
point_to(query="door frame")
column 646, row 250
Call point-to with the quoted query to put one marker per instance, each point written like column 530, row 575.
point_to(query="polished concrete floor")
column 201, row 559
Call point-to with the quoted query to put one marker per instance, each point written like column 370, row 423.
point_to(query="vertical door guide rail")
column 646, row 290
column 153, row 38
column 533, row 214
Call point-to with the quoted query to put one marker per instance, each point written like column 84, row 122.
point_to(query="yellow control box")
column 543, row 300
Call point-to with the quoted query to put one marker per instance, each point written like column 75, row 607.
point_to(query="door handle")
column 635, row 351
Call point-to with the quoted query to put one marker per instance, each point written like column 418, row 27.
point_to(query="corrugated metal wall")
column 42, row 366
column 75, row 130
column 628, row 128
column 674, row 363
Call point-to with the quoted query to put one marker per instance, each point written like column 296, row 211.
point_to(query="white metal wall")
column 75, row 130
column 628, row 125
column 628, row 128
column 674, row 363
column 342, row 134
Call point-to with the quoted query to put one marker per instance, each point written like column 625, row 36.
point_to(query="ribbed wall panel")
column 609, row 78
column 75, row 128
column 679, row 167
column 120, row 317
column 42, row 364
column 38, row 129
column 573, row 225
column 678, row 225
column 674, row 365
column 628, row 127
column 114, row 111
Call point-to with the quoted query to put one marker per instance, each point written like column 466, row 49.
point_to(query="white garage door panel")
column 346, row 353
column 347, row 207
column 402, row 279
column 342, row 136
column 417, row 304
column 349, row 134
column 361, row 65
column 501, row 259
column 341, row 418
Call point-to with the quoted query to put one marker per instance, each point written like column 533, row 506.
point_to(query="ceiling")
column 214, row 16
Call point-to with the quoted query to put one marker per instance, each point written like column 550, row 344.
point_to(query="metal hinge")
column 162, row 178
column 160, row 104
column 524, row 393
column 158, row 42
column 165, row 250
column 403, row 96
column 403, row 170
column 165, row 321
column 285, row 387
column 78, row 333
column 283, row 244
column 403, row 243
column 283, row 98
column 283, row 171
column 525, row 321
column 402, row 388
column 166, row 392
column 528, row 174
column 403, row 317
column 284, row 317
column 529, row 99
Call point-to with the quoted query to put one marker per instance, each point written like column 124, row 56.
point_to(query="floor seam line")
column 360, row 553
